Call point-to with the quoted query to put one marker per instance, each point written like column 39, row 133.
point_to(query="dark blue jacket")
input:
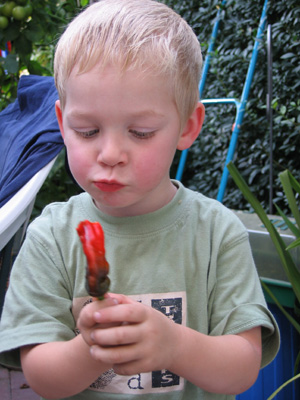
column 29, row 134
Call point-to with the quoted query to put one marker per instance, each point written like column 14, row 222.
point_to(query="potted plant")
column 290, row 185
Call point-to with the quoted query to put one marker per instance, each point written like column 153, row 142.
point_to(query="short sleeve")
column 36, row 301
column 237, row 301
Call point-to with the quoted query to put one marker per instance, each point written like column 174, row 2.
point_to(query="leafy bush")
column 229, row 65
column 30, row 39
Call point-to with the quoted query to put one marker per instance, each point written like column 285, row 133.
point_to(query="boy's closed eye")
column 136, row 133
column 142, row 134
column 87, row 134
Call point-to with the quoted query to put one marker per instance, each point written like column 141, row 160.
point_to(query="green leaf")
column 286, row 179
column 283, row 110
column 295, row 184
column 36, row 68
column 282, row 386
column 288, row 222
column 276, row 301
column 23, row 46
column 296, row 243
column 34, row 32
column 10, row 63
column 288, row 55
column 297, row 362
column 12, row 32
column 290, row 268
column 84, row 3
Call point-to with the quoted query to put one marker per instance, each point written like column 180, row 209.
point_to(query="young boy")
column 191, row 322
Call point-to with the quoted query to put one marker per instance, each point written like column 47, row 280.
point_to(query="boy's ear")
column 59, row 117
column 192, row 128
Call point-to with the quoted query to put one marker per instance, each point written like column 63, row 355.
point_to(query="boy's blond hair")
column 142, row 34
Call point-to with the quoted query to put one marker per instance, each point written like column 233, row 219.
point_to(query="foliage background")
column 33, row 44
column 33, row 41
column 226, row 77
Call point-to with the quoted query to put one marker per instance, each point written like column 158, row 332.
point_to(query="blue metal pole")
column 206, row 65
column 244, row 98
column 210, row 49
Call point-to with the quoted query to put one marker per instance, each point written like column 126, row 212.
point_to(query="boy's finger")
column 116, row 336
column 121, row 298
column 115, row 355
column 87, row 316
column 123, row 313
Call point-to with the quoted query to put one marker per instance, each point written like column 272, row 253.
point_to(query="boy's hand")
column 137, row 338
column 87, row 321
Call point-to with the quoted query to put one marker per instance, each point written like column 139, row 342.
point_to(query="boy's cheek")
column 79, row 166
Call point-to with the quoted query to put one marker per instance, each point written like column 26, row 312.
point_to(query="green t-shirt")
column 191, row 260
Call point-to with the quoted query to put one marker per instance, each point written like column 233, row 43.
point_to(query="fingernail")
column 97, row 316
column 92, row 350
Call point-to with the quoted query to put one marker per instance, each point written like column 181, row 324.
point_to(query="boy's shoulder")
column 209, row 215
column 208, row 207
column 62, row 214
column 70, row 205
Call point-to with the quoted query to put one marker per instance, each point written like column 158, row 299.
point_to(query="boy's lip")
column 108, row 186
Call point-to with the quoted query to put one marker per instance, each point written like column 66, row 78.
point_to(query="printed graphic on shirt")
column 173, row 305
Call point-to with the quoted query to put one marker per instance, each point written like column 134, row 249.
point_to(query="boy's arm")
column 149, row 341
column 62, row 369
column 222, row 364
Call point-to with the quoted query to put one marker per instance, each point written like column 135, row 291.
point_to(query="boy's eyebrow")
column 146, row 113
column 138, row 114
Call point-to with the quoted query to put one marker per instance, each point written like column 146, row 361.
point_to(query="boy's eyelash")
column 137, row 134
column 142, row 135
column 87, row 134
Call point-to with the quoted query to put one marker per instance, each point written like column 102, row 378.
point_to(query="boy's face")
column 121, row 132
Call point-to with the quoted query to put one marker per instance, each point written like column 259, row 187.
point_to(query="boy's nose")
column 111, row 151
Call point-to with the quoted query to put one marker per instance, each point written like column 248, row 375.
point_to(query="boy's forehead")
column 134, row 86
column 117, row 73
column 119, row 67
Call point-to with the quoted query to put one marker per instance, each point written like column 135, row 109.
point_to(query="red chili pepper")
column 92, row 238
